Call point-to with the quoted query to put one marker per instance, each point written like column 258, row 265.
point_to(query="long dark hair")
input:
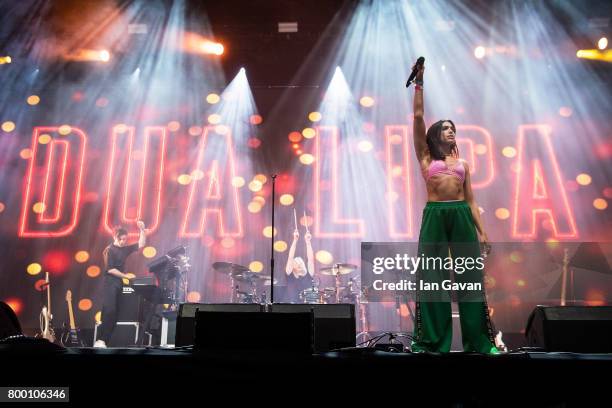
column 434, row 140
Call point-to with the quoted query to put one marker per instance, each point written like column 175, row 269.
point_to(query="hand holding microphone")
column 417, row 71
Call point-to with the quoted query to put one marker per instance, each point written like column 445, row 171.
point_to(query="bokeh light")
column 256, row 266
column 502, row 213
column 238, row 181
column 309, row 133
column 212, row 98
column 93, row 271
column 194, row 297
column 256, row 119
column 600, row 204
column 286, row 199
column 261, row 178
column 366, row 101
column 65, row 130
column 307, row 159
column 254, row 142
column 174, row 126
column 149, row 252
column 85, row 304
column 44, row 139
column 280, row 246
column 25, row 153
column 34, row 268
column 81, row 256
column 583, row 179
column 8, row 126
column 214, row 119
column 314, row 116
column 195, row 130
column 267, row 231
column 33, row 100
column 509, row 151
column 255, row 185
column 254, row 207
column 295, row 137
column 184, row 179
column 38, row 208
column 324, row 257
column 365, row 146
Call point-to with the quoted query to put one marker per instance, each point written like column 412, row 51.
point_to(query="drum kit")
column 247, row 286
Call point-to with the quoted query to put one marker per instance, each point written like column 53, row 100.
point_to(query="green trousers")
column 447, row 236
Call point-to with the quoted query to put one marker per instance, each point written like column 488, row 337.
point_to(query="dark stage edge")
column 188, row 378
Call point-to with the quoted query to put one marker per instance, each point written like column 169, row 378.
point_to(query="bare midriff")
column 442, row 187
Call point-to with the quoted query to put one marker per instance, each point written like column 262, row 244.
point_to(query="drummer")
column 299, row 276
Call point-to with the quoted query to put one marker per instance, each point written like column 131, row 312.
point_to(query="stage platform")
column 182, row 375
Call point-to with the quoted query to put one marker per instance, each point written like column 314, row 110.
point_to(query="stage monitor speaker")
column 260, row 331
column 334, row 324
column 186, row 319
column 582, row 329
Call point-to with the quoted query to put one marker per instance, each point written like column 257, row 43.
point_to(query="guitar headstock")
column 68, row 295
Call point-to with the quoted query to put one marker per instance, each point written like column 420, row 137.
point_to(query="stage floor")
column 455, row 379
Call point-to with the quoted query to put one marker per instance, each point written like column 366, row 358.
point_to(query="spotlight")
column 88, row 55
column 605, row 55
column 209, row 47
column 602, row 44
column 5, row 60
column 479, row 52
column 104, row 56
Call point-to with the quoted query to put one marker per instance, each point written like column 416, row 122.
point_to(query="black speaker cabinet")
column 582, row 329
column 130, row 306
column 334, row 324
column 186, row 319
column 260, row 331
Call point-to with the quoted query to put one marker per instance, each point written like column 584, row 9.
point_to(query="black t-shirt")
column 295, row 286
column 114, row 258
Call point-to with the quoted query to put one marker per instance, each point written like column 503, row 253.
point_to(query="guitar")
column 499, row 343
column 70, row 337
column 46, row 327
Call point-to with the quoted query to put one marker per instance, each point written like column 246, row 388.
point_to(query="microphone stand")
column 272, row 241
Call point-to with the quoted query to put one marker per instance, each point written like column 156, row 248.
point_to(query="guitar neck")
column 48, row 292
column 71, row 316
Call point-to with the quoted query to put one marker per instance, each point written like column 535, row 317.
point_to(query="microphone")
column 419, row 63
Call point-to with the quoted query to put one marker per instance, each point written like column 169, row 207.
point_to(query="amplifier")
column 130, row 306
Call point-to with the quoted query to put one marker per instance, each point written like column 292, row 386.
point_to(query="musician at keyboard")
column 115, row 256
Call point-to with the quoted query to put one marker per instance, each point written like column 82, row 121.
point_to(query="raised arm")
column 309, row 254
column 418, row 131
column 289, row 266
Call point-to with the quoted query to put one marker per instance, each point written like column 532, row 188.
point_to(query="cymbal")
column 229, row 268
column 250, row 276
column 338, row 269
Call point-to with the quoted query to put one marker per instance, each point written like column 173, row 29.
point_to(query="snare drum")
column 312, row 295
